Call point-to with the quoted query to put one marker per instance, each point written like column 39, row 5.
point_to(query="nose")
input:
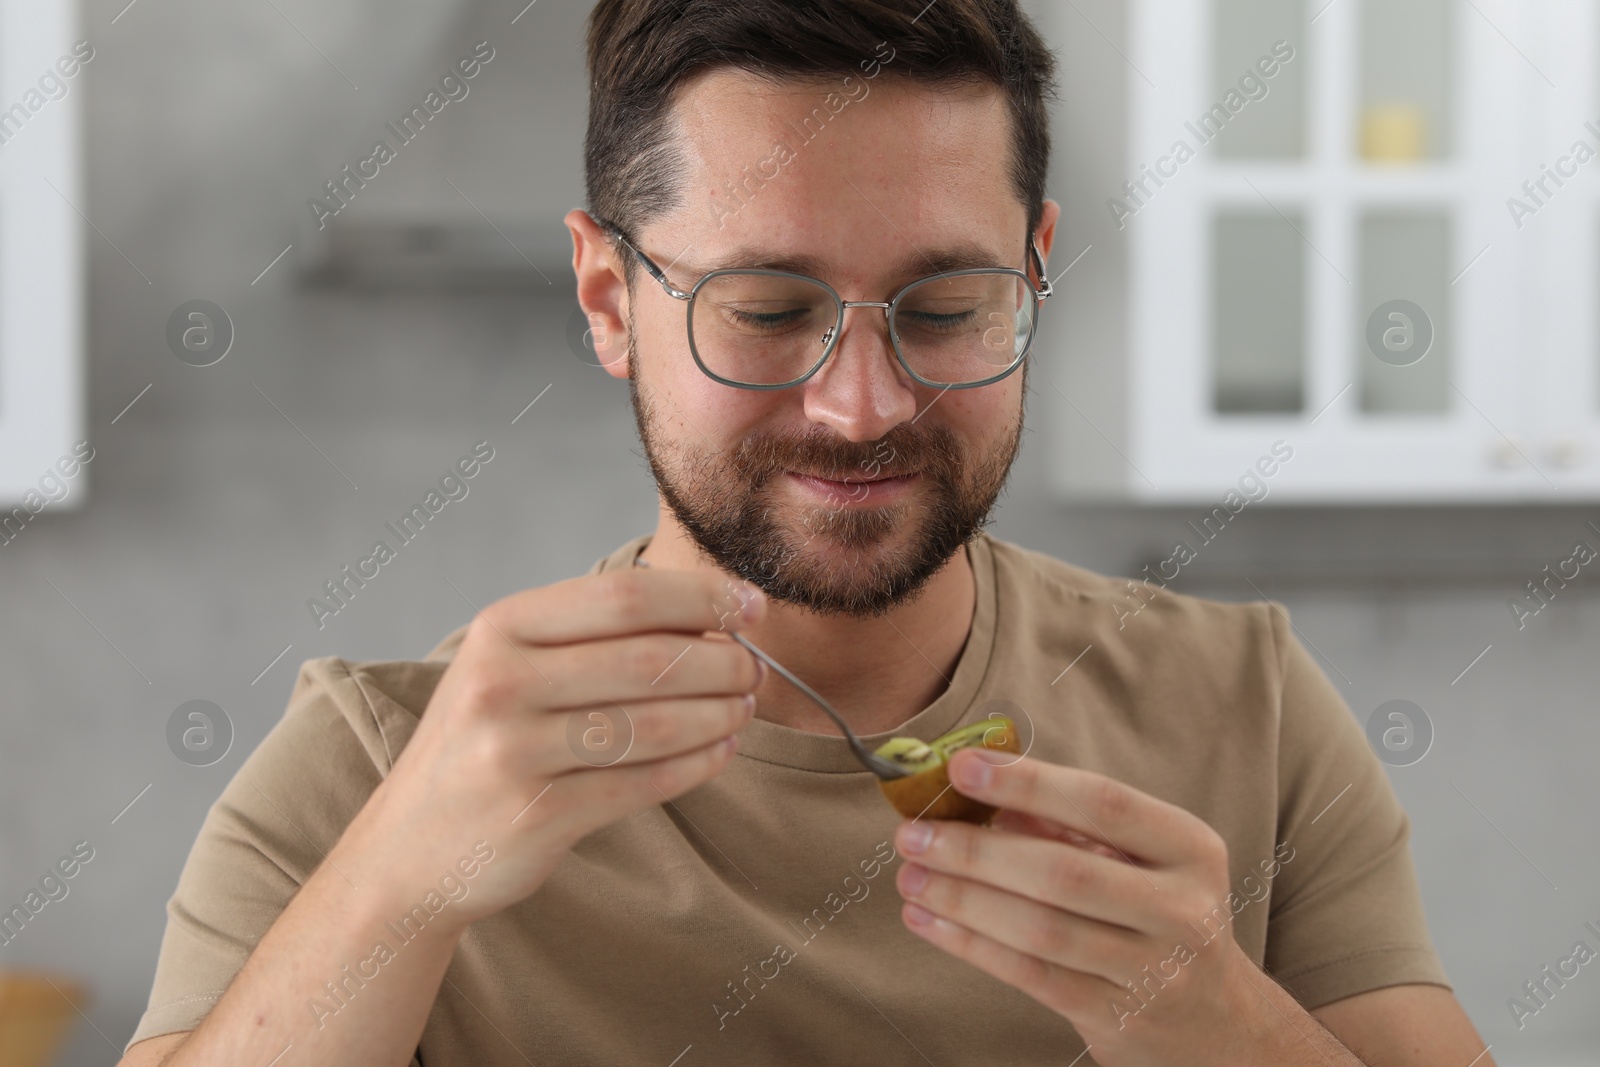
column 862, row 391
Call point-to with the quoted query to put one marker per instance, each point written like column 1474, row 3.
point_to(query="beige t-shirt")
column 756, row 918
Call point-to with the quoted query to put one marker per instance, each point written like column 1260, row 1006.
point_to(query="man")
column 540, row 845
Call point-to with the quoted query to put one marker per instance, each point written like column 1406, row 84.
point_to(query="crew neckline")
column 786, row 746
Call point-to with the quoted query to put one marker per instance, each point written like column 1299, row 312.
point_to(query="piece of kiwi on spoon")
column 927, row 791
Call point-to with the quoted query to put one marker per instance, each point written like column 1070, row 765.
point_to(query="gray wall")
column 212, row 518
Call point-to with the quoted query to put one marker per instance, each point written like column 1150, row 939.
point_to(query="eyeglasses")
column 771, row 329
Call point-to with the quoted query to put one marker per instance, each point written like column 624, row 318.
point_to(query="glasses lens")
column 955, row 329
column 761, row 329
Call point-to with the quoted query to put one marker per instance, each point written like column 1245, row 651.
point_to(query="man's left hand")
column 1083, row 895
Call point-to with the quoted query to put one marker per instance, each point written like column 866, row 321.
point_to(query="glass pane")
column 1258, row 68
column 965, row 327
column 1405, row 81
column 1258, row 314
column 1405, row 329
column 761, row 329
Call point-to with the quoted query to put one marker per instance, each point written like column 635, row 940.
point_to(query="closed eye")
column 932, row 320
column 767, row 320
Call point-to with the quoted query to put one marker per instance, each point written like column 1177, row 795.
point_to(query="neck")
column 877, row 672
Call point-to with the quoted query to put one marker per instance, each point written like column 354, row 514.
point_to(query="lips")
column 840, row 493
column 852, row 479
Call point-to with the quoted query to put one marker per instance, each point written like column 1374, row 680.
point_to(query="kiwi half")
column 927, row 791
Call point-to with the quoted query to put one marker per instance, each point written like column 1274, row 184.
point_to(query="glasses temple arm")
column 649, row 264
column 1045, row 288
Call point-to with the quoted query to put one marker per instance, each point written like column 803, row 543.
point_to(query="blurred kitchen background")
column 1203, row 318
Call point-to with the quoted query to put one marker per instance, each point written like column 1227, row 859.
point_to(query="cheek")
column 703, row 415
column 984, row 418
column 720, row 415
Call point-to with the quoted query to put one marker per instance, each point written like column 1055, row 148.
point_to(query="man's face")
column 897, row 178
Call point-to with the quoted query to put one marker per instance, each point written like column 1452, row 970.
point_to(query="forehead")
column 857, row 177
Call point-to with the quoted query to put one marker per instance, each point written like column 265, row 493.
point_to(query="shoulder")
column 374, row 704
column 377, row 704
column 1141, row 616
column 365, row 711
column 345, row 725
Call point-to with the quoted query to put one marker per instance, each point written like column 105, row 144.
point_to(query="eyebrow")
column 917, row 264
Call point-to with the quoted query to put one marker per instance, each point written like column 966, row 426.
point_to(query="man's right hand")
column 497, row 757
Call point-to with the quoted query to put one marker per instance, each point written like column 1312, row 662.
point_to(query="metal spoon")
column 875, row 763
column 886, row 769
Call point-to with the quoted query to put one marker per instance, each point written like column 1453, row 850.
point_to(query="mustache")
column 903, row 450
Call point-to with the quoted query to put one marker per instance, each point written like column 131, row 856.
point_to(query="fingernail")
column 973, row 772
column 761, row 668
column 918, row 915
column 912, row 878
column 752, row 601
column 729, row 743
column 916, row 837
column 749, row 705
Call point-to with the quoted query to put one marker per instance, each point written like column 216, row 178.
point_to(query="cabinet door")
column 1323, row 270
column 1557, row 214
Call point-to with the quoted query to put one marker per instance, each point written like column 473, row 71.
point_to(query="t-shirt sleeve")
column 1346, row 914
column 284, row 808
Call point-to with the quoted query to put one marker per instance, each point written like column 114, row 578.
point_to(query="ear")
column 602, row 292
column 1046, row 234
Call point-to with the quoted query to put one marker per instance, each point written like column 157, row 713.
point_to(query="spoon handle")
column 871, row 760
column 875, row 763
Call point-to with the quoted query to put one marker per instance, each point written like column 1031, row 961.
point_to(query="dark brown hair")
column 641, row 51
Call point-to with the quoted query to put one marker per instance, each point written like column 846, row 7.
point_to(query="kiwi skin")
column 928, row 792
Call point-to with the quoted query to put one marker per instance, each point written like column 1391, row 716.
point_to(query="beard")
column 864, row 559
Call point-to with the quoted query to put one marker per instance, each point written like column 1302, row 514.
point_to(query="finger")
column 1018, row 822
column 642, row 667
column 606, row 736
column 1061, row 989
column 1135, row 823
column 1115, row 953
column 573, row 805
column 1045, row 871
column 625, row 601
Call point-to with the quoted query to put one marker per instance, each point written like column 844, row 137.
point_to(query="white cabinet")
column 1561, row 394
column 41, row 261
column 1294, row 169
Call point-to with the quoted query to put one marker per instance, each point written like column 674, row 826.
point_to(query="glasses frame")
column 1039, row 295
